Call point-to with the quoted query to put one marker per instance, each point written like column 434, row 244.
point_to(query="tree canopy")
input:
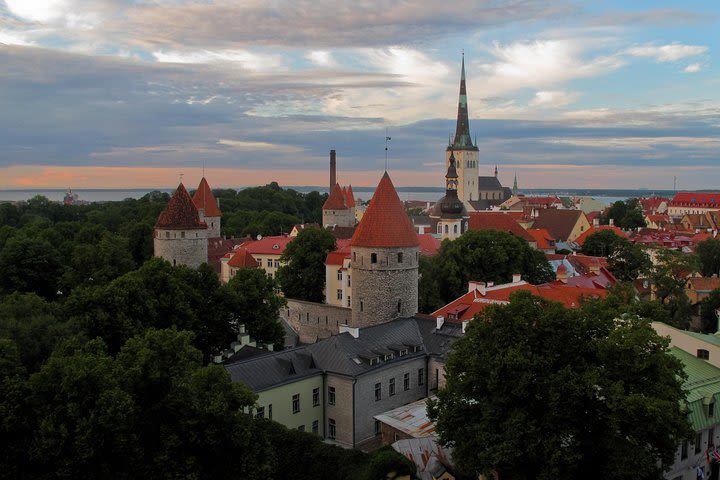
column 484, row 255
column 708, row 252
column 537, row 391
column 626, row 214
column 302, row 274
column 625, row 260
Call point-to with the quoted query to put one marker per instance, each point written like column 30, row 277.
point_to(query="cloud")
column 667, row 53
column 227, row 58
column 692, row 68
column 553, row 98
column 321, row 58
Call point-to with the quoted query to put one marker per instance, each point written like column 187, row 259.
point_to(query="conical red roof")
column 385, row 223
column 180, row 213
column 242, row 259
column 336, row 200
column 204, row 198
column 349, row 197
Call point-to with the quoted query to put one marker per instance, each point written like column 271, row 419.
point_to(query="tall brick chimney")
column 332, row 170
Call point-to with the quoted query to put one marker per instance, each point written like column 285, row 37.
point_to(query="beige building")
column 267, row 251
column 564, row 225
column 234, row 261
column 338, row 276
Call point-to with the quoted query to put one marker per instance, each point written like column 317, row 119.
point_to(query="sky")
column 565, row 94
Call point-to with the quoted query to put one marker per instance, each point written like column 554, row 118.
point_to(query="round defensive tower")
column 208, row 208
column 180, row 237
column 385, row 257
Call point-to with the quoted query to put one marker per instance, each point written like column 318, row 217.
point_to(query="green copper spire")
column 462, row 139
column 515, row 187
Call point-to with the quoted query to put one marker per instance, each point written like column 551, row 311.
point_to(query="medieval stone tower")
column 465, row 152
column 207, row 208
column 449, row 210
column 180, row 237
column 339, row 208
column 385, row 257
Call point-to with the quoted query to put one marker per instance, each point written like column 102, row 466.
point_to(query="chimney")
column 270, row 347
column 332, row 170
column 596, row 222
column 562, row 273
column 612, row 222
column 440, row 320
column 354, row 331
column 516, row 278
column 464, row 325
column 595, row 266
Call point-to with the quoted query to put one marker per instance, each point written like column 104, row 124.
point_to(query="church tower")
column 450, row 211
column 180, row 237
column 385, row 257
column 465, row 152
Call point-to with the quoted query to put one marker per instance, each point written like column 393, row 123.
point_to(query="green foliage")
column 625, row 260
column 29, row 264
column 302, row 275
column 535, row 391
column 626, row 215
column 708, row 312
column 484, row 255
column 669, row 276
column 708, row 252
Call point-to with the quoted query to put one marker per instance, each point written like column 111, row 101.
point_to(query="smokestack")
column 332, row 169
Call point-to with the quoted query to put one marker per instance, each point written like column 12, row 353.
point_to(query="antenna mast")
column 387, row 139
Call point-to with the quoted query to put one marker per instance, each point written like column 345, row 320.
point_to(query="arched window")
column 373, row 258
column 446, row 229
column 455, row 229
column 400, row 257
column 439, row 228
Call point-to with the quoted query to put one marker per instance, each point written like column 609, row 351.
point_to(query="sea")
column 426, row 194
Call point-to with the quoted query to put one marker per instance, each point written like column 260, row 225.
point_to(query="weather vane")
column 387, row 139
column 181, row 175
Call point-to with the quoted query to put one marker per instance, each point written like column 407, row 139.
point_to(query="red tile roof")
column 429, row 244
column 349, row 197
column 543, row 238
column 474, row 302
column 697, row 199
column 542, row 201
column 180, row 213
column 583, row 236
column 498, row 221
column 703, row 284
column 651, row 204
column 341, row 252
column 243, row 259
column 336, row 199
column 204, row 198
column 268, row 245
column 385, row 222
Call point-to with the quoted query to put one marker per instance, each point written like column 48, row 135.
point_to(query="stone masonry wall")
column 314, row 321
column 379, row 287
column 182, row 247
column 341, row 218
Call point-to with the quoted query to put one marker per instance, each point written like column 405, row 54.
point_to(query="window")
column 348, row 280
column 354, row 256
column 421, row 376
column 446, row 229
column 339, row 294
column 455, row 228
column 373, row 258
column 378, row 392
column 167, row 234
column 269, row 262
column 361, row 305
column 400, row 257
column 711, row 409
column 377, row 427
column 399, row 306
column 339, row 275
column 684, row 450
column 315, row 427
column 260, row 413
column 391, row 387
column 331, row 428
column 182, row 234
column 703, row 354
column 698, row 442
column 277, row 263
column 406, row 382
column 331, row 395
column 316, row 397
column 270, row 411
column 301, row 428
column 296, row 403
column 402, row 352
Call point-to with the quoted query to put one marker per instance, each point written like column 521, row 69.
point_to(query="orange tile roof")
column 349, row 197
column 336, row 199
column 204, row 198
column 559, row 222
column 498, row 221
column 429, row 245
column 583, row 236
column 697, row 199
column 243, row 259
column 385, row 222
column 705, row 284
column 268, row 245
column 543, row 238
column 180, row 213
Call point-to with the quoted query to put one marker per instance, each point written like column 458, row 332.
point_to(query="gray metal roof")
column 489, row 183
column 267, row 371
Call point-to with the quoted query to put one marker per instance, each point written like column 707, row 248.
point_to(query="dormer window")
column 402, row 353
column 703, row 354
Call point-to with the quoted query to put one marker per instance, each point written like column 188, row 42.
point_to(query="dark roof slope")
column 489, row 183
column 267, row 371
column 180, row 213
column 557, row 221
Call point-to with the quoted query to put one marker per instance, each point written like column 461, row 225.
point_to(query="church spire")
column 462, row 130
column 515, row 187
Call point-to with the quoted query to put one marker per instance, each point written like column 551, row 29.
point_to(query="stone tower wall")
column 213, row 224
column 377, row 287
column 182, row 247
column 341, row 218
column 466, row 164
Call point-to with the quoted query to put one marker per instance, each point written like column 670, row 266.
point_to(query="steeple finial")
column 496, row 171
column 462, row 140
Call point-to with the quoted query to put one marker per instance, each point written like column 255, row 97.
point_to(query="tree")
column 302, row 275
column 627, row 214
column 484, row 255
column 253, row 299
column 708, row 312
column 537, row 391
column 669, row 275
column 625, row 260
column 708, row 251
column 29, row 264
